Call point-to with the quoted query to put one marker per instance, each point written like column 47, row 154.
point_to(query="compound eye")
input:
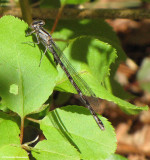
column 41, row 23
column 37, row 23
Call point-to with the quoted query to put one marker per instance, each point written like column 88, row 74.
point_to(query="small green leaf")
column 76, row 126
column 19, row 65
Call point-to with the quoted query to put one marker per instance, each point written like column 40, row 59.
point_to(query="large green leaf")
column 93, row 67
column 75, row 125
column 24, row 86
column 94, row 59
column 99, row 29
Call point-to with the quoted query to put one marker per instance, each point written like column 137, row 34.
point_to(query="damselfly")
column 78, row 83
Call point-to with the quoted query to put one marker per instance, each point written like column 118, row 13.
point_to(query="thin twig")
column 33, row 120
column 57, row 18
column 69, row 13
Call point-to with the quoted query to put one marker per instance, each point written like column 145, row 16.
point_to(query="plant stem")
column 21, row 130
column 26, row 11
column 57, row 18
column 69, row 13
column 33, row 120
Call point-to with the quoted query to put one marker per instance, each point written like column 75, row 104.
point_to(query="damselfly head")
column 37, row 24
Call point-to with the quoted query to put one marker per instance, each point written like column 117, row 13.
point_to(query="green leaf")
column 115, row 88
column 71, row 29
column 57, row 149
column 8, row 152
column 75, row 126
column 116, row 157
column 9, row 130
column 94, row 61
column 93, row 67
column 41, row 109
column 124, row 105
column 24, row 86
column 10, row 141
column 143, row 75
